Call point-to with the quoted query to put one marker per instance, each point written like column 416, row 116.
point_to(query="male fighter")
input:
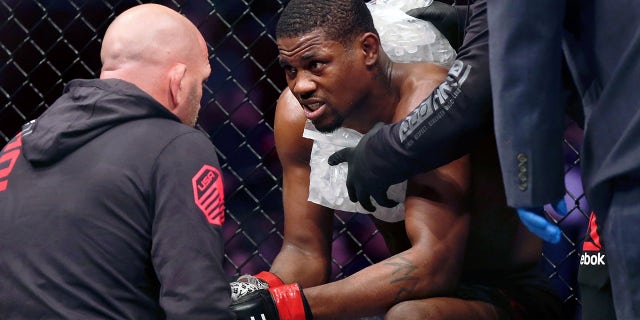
column 459, row 252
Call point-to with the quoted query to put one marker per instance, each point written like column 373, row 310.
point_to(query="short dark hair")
column 340, row 20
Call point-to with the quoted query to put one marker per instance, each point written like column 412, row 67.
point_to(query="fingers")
column 360, row 191
column 365, row 202
column 365, row 199
column 532, row 219
column 351, row 189
column 339, row 157
column 424, row 13
column 382, row 200
column 560, row 207
column 550, row 234
column 540, row 226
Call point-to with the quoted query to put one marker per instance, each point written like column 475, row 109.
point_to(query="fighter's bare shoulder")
column 419, row 81
column 288, row 109
column 288, row 127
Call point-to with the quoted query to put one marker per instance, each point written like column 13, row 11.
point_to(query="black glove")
column 445, row 18
column 286, row 302
column 363, row 182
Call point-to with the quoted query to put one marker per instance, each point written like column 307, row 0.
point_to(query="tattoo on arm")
column 403, row 270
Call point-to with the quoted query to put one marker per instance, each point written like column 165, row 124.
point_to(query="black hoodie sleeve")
column 444, row 126
column 188, row 247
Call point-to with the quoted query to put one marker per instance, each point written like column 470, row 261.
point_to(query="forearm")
column 373, row 290
column 369, row 292
column 305, row 256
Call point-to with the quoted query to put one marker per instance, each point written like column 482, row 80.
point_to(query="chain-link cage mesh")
column 46, row 43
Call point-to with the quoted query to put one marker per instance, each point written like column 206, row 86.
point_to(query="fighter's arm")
column 305, row 256
column 437, row 226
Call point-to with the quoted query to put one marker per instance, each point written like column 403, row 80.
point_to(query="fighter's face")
column 321, row 74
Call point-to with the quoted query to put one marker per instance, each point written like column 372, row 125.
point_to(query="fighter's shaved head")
column 155, row 48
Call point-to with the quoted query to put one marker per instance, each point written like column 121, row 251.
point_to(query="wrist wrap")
column 291, row 302
column 270, row 278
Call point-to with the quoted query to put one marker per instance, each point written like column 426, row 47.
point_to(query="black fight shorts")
column 524, row 294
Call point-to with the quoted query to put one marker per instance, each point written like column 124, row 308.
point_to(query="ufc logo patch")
column 208, row 194
column 8, row 158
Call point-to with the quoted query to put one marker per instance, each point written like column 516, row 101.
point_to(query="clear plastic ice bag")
column 408, row 39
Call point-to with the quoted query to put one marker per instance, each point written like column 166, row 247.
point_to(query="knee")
column 412, row 310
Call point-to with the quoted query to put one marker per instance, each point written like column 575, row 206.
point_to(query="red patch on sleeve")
column 208, row 193
column 8, row 157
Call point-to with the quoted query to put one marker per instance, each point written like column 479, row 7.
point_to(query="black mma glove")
column 286, row 302
column 246, row 284
column 363, row 182
column 446, row 18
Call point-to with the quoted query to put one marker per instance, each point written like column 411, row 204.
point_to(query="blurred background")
column 46, row 43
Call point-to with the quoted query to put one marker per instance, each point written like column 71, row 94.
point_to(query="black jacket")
column 111, row 208
column 600, row 42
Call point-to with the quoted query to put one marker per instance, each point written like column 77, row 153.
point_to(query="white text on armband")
column 432, row 109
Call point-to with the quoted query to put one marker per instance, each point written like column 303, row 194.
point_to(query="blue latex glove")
column 535, row 221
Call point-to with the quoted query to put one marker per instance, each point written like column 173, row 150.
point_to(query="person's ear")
column 177, row 92
column 370, row 44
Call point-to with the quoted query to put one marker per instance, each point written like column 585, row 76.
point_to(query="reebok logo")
column 592, row 241
column 591, row 247
column 596, row 259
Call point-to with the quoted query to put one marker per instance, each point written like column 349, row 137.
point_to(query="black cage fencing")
column 46, row 43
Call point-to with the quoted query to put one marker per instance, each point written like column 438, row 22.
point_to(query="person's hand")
column 444, row 17
column 362, row 182
column 246, row 284
column 534, row 219
column 286, row 302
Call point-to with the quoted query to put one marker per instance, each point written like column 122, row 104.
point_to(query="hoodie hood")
column 86, row 109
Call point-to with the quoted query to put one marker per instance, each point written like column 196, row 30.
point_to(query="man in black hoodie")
column 111, row 204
